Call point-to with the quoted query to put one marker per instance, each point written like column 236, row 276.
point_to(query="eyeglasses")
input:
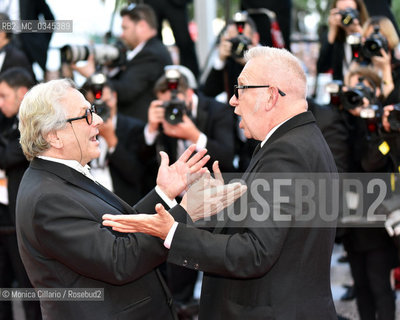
column 236, row 90
column 88, row 116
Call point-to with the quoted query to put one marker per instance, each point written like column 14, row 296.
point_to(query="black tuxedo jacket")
column 126, row 163
column 12, row 160
column 63, row 245
column 134, row 84
column 215, row 120
column 266, row 270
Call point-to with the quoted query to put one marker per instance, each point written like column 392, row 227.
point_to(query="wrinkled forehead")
column 74, row 102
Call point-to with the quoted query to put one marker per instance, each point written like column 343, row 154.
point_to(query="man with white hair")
column 262, row 267
column 59, row 207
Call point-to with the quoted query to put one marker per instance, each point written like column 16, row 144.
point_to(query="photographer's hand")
column 155, row 115
column 88, row 69
column 385, row 121
column 383, row 63
column 185, row 130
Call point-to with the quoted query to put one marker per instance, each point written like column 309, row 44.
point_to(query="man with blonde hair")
column 59, row 208
column 267, row 264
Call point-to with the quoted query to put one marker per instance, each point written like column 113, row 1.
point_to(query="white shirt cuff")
column 201, row 142
column 218, row 64
column 149, row 137
column 166, row 199
column 170, row 236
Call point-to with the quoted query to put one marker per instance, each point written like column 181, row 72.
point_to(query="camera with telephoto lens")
column 348, row 16
column 175, row 108
column 374, row 43
column 104, row 54
column 394, row 118
column 240, row 43
column 96, row 84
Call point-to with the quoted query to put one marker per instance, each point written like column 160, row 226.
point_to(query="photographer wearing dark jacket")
column 239, row 35
column 355, row 138
column 346, row 17
column 380, row 41
column 201, row 120
column 134, row 81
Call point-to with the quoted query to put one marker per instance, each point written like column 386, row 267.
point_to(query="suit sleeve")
column 255, row 246
column 84, row 245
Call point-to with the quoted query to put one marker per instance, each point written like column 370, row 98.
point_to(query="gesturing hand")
column 173, row 179
column 208, row 196
column 157, row 225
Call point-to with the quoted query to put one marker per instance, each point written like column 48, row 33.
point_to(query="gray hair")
column 285, row 64
column 42, row 112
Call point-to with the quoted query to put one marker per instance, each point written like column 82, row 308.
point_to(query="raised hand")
column 174, row 179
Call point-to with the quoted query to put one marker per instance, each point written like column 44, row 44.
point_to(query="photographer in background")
column 10, row 55
column 134, row 81
column 200, row 120
column 239, row 35
column 346, row 17
column 358, row 127
column 381, row 39
column 122, row 158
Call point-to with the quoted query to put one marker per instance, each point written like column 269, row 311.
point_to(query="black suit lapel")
column 76, row 178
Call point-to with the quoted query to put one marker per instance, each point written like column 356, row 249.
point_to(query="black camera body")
column 394, row 118
column 241, row 43
column 97, row 81
column 374, row 43
column 353, row 97
column 348, row 16
column 104, row 54
column 174, row 108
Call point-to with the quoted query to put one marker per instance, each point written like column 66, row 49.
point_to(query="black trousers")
column 371, row 273
column 177, row 16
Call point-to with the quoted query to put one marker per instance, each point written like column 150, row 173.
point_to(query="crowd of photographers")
column 148, row 105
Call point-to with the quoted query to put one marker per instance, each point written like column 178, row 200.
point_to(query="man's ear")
column 54, row 140
column 272, row 98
